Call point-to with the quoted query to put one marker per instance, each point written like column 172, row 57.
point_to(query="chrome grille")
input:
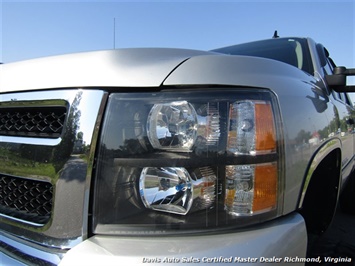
column 25, row 199
column 45, row 122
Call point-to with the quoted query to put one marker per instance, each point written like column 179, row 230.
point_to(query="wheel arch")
column 321, row 187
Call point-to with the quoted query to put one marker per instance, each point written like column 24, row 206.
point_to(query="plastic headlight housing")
column 188, row 161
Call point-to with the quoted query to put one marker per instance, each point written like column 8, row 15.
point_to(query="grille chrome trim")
column 65, row 162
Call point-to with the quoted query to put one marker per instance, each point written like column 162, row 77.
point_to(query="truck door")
column 345, row 131
column 345, row 116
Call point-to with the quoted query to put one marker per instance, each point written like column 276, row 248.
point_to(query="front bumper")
column 284, row 237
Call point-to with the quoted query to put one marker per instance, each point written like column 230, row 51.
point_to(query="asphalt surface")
column 338, row 241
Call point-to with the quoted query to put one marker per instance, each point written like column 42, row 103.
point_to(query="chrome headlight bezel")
column 134, row 160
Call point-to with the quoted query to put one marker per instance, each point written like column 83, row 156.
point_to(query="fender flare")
column 331, row 145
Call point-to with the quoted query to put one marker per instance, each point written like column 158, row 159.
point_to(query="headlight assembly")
column 189, row 161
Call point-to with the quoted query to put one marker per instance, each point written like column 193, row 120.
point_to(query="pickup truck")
column 174, row 156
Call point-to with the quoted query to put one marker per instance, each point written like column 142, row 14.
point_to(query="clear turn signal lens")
column 251, row 128
column 251, row 189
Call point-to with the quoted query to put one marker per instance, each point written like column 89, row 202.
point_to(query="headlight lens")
column 193, row 160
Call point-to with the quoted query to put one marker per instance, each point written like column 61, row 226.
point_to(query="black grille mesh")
column 26, row 199
column 45, row 122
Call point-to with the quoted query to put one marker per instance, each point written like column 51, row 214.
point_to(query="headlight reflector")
column 166, row 189
column 173, row 190
column 172, row 126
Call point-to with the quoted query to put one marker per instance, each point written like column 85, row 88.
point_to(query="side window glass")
column 342, row 97
column 337, row 95
column 347, row 100
column 328, row 69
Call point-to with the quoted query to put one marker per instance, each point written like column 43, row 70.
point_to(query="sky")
column 30, row 29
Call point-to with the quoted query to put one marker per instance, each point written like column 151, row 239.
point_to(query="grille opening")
column 26, row 199
column 39, row 122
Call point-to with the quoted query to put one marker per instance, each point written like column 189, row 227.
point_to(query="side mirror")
column 337, row 81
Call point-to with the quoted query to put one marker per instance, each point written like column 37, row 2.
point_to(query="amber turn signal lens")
column 264, row 127
column 265, row 187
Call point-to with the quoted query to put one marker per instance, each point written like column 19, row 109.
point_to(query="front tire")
column 347, row 197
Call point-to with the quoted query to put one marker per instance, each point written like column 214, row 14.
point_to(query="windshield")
column 293, row 51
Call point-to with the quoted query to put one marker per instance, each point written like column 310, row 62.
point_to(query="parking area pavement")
column 338, row 241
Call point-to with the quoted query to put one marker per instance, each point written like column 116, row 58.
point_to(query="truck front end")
column 115, row 157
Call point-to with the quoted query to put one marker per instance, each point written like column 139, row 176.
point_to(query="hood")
column 136, row 67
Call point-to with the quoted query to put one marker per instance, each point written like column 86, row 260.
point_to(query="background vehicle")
column 173, row 156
